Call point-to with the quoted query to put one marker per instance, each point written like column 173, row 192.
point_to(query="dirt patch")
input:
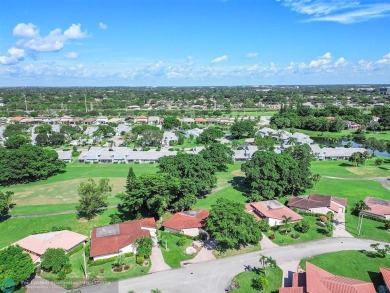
column 59, row 192
column 238, row 173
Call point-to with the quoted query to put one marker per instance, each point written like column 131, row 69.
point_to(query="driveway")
column 214, row 276
column 339, row 223
column 157, row 259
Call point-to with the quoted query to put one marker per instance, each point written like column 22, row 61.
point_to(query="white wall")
column 105, row 256
column 322, row 210
column 190, row 232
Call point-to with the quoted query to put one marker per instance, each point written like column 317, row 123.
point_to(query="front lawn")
column 102, row 272
column 172, row 252
column 315, row 232
column 233, row 252
column 244, row 280
column 351, row 264
column 229, row 193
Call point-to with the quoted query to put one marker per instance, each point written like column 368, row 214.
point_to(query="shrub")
column 140, row 259
column 61, row 275
column 323, row 219
column 272, row 236
column 129, row 254
column 117, row 269
column 302, row 227
column 264, row 227
column 101, row 261
column 126, row 267
column 136, row 162
column 181, row 242
column 330, row 216
column 295, row 235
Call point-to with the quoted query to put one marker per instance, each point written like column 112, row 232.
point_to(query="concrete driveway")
column 339, row 223
column 214, row 276
column 157, row 259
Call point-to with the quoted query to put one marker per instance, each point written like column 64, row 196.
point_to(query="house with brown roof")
column 272, row 211
column 187, row 222
column 316, row 203
column 386, row 277
column 317, row 280
column 112, row 240
column 36, row 245
column 379, row 208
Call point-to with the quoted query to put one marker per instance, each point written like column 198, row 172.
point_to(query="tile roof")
column 315, row 201
column 186, row 220
column 38, row 243
column 272, row 209
column 111, row 239
column 378, row 207
column 321, row 281
column 386, row 276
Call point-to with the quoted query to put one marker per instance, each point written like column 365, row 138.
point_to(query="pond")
column 340, row 143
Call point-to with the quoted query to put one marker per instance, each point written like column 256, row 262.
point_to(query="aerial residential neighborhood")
column 194, row 146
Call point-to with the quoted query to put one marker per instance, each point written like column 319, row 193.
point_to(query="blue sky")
column 193, row 42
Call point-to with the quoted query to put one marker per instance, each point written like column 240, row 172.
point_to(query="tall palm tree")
column 286, row 221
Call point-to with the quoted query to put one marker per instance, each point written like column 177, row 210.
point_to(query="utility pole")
column 85, row 266
column 360, row 223
column 25, row 102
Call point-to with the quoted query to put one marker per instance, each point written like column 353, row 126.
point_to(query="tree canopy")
column 15, row 264
column 28, row 163
column 153, row 194
column 270, row 175
column 5, row 203
column 16, row 141
column 170, row 122
column 210, row 135
column 243, row 128
column 219, row 155
column 231, row 226
column 54, row 260
column 193, row 167
column 93, row 197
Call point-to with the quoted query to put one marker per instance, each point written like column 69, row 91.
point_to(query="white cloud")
column 340, row 11
column 54, row 41
column 14, row 56
column 25, row 30
column 321, row 61
column 102, row 25
column 72, row 55
column 340, row 62
column 252, row 55
column 220, row 59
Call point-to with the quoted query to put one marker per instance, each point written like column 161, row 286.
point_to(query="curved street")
column 214, row 276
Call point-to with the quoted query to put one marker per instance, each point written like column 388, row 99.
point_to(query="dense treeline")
column 327, row 119
column 28, row 163
column 114, row 101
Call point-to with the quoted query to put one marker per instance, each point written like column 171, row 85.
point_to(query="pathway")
column 52, row 214
column 339, row 223
column 214, row 276
column 157, row 259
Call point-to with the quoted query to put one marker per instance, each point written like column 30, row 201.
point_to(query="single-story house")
column 154, row 120
column 112, row 240
column 317, row 280
column 65, row 156
column 101, row 120
column 167, row 137
column 316, row 203
column 377, row 207
column 337, row 153
column 36, row 245
column 245, row 154
column 141, row 119
column 90, row 121
column 187, row 222
column 272, row 211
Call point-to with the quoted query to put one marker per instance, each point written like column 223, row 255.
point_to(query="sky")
column 193, row 42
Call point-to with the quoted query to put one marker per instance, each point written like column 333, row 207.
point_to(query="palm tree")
column 286, row 221
column 263, row 260
column 292, row 140
column 315, row 178
column 271, row 262
column 360, row 207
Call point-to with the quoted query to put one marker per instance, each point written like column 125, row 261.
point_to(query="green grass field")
column 174, row 253
column 345, row 169
column 228, row 193
column 351, row 264
column 377, row 135
column 244, row 279
column 286, row 239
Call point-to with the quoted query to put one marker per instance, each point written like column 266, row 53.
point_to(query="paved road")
column 214, row 276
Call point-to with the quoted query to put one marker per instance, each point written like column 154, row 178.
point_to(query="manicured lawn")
column 102, row 272
column 59, row 192
column 353, row 191
column 345, row 169
column 15, row 229
column 233, row 252
column 351, row 264
column 378, row 135
column 234, row 170
column 174, row 253
column 286, row 239
column 244, row 279
column 228, row 193
column 252, row 113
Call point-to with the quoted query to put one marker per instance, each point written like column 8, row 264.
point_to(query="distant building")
column 316, row 203
column 338, row 153
column 379, row 208
column 385, row 91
